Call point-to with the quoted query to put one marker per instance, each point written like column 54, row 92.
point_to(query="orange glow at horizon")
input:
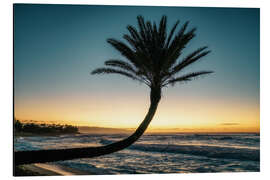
column 188, row 115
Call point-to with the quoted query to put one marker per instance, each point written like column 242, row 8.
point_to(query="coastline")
column 28, row 134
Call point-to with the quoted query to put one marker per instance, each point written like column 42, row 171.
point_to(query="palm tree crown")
column 152, row 55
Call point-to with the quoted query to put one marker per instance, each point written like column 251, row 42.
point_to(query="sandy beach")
column 42, row 169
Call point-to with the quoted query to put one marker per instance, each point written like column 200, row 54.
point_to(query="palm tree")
column 152, row 59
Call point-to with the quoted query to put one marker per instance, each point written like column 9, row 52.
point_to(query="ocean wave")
column 243, row 154
column 226, row 137
column 245, row 150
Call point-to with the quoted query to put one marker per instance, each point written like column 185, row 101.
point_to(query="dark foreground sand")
column 47, row 170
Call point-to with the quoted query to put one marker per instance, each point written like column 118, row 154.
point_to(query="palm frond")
column 134, row 33
column 116, row 71
column 162, row 29
column 171, row 33
column 189, row 59
column 142, row 27
column 126, row 52
column 149, row 32
column 187, row 77
column 120, row 64
column 179, row 36
column 137, row 45
column 177, row 45
column 122, row 48
column 112, row 71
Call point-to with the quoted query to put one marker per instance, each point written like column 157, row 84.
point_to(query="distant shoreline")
column 28, row 134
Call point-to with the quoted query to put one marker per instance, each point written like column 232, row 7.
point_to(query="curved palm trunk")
column 41, row 156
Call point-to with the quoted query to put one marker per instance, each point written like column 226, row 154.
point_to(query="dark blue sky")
column 57, row 46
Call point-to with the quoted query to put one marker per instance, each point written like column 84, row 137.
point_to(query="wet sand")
column 43, row 169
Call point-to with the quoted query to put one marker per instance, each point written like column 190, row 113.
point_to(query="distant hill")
column 103, row 130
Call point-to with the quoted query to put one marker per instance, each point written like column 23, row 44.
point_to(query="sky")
column 57, row 46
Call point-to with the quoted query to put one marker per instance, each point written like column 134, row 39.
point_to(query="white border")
column 201, row 3
column 6, row 84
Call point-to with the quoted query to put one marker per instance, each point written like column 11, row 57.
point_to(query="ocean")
column 157, row 153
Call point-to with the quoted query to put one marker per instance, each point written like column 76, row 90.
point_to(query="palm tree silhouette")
column 152, row 59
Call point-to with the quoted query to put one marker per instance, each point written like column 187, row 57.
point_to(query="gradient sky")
column 57, row 46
